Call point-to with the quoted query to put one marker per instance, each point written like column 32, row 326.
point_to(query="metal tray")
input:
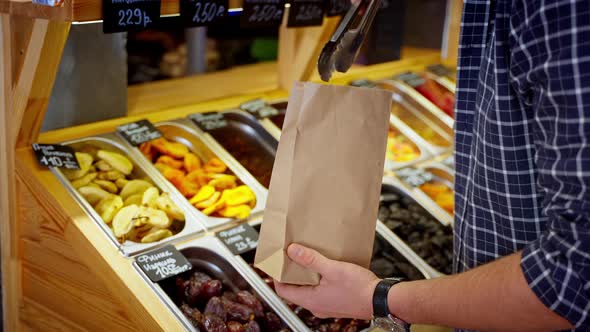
column 243, row 129
column 209, row 255
column 393, row 186
column 182, row 131
column 441, row 174
column 112, row 142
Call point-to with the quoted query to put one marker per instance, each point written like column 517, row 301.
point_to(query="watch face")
column 389, row 325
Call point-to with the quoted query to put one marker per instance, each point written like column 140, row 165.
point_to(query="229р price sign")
column 262, row 13
column 196, row 13
column 128, row 15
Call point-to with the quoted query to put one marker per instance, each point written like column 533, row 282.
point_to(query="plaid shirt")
column 522, row 145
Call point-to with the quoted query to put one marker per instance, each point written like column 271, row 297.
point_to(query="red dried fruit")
column 252, row 326
column 235, row 327
column 212, row 288
column 216, row 307
column 212, row 323
column 236, row 311
column 248, row 299
column 272, row 322
column 194, row 316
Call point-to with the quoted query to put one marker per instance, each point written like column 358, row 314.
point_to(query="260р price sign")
column 262, row 13
column 195, row 13
column 129, row 15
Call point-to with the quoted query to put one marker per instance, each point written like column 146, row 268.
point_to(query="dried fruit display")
column 438, row 95
column 430, row 239
column 400, row 148
column 429, row 134
column 134, row 209
column 208, row 185
column 441, row 194
column 211, row 307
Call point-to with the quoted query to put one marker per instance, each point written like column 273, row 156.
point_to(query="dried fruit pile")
column 210, row 308
column 430, row 239
column 134, row 209
column 210, row 186
column 399, row 148
column 441, row 194
column 438, row 95
column 427, row 133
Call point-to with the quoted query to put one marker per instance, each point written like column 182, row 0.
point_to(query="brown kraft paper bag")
column 326, row 180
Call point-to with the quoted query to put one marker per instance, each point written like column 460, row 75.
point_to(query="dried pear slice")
column 208, row 202
column 113, row 175
column 107, row 185
column 150, row 196
column 120, row 183
column 166, row 204
column 84, row 181
column 135, row 187
column 155, row 217
column 104, row 166
column 92, row 194
column 133, row 199
column 85, row 161
column 156, row 235
column 118, row 161
column 124, row 220
column 108, row 207
column 204, row 193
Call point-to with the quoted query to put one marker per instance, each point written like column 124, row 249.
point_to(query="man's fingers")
column 309, row 258
column 293, row 293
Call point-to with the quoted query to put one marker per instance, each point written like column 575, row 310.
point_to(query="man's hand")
column 345, row 290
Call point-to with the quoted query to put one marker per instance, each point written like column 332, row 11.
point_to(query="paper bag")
column 326, row 180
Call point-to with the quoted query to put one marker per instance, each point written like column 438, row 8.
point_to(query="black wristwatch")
column 382, row 317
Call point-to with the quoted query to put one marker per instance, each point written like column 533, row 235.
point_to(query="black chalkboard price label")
column 306, row 13
column 439, row 70
column 259, row 108
column 239, row 239
column 262, row 13
column 411, row 79
column 337, row 7
column 195, row 13
column 163, row 263
column 56, row 155
column 139, row 132
column 129, row 15
column 209, row 121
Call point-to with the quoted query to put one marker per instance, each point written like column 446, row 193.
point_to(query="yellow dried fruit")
column 149, row 197
column 124, row 220
column 224, row 181
column 120, row 183
column 191, row 162
column 240, row 195
column 165, row 203
column 204, row 193
column 169, row 161
column 173, row 149
column 133, row 199
column 215, row 165
column 113, row 175
column 118, row 161
column 108, row 207
column 220, row 204
column 134, row 187
column 208, row 202
column 85, row 180
column 107, row 185
column 102, row 165
column 92, row 194
column 85, row 161
column 155, row 217
column 239, row 211
column 156, row 235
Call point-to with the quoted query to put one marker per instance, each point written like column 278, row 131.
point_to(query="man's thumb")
column 308, row 258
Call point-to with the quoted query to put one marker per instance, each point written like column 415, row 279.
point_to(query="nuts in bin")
column 133, row 208
column 208, row 185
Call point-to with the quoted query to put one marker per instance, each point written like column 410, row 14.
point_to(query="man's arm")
column 492, row 297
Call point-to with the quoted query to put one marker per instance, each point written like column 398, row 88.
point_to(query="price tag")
column 128, row 15
column 56, row 155
column 337, row 7
column 195, row 13
column 414, row 177
column 411, row 79
column 209, row 121
column 259, row 108
column 262, row 13
column 305, row 13
column 439, row 70
column 163, row 263
column 363, row 83
column 239, row 239
column 139, row 132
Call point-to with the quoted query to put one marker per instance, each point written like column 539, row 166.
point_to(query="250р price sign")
column 128, row 15
column 195, row 13
column 262, row 13
column 305, row 13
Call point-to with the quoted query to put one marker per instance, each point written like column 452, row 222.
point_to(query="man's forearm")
column 495, row 296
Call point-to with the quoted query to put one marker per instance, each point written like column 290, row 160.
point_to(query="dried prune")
column 211, row 288
column 235, row 327
column 272, row 322
column 192, row 314
column 248, row 299
column 236, row 311
column 252, row 326
column 212, row 323
column 215, row 306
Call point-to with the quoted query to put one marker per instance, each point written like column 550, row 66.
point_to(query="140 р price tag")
column 262, row 13
column 209, row 121
column 56, row 155
column 163, row 263
column 128, row 15
column 239, row 239
column 196, row 13
column 306, row 13
column 337, row 7
column 139, row 132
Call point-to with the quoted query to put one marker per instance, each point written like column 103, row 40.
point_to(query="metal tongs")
column 342, row 49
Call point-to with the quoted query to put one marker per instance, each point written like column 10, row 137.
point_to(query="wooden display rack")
column 59, row 272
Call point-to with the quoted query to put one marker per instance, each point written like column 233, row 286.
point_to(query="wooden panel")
column 43, row 319
column 452, row 32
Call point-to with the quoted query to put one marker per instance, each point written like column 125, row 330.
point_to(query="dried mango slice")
column 446, row 201
column 134, row 187
column 215, row 165
column 124, row 220
column 148, row 152
column 191, row 162
column 167, row 160
column 84, row 181
column 107, row 185
column 161, row 167
column 173, row 149
column 85, row 161
column 204, row 193
column 199, row 177
column 225, row 181
column 149, row 197
column 165, row 203
column 93, row 195
column 156, row 235
column 220, row 204
column 108, row 207
column 188, row 189
column 433, row 189
column 208, row 202
column 240, row 195
column 118, row 161
column 238, row 211
column 175, row 176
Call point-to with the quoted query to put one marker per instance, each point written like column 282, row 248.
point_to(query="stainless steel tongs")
column 342, row 49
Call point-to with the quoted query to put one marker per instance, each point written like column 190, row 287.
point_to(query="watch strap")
column 380, row 305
